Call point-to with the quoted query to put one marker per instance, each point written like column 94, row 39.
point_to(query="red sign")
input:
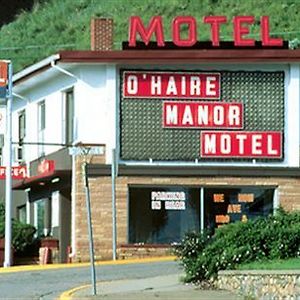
column 241, row 28
column 248, row 144
column 183, row 85
column 17, row 173
column 46, row 166
column 3, row 73
column 202, row 115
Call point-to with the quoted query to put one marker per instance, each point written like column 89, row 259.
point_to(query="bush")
column 22, row 234
column 274, row 237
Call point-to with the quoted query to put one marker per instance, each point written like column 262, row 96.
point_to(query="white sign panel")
column 164, row 196
column 175, row 205
column 155, row 205
column 172, row 200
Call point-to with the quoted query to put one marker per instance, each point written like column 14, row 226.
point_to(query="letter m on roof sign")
column 137, row 26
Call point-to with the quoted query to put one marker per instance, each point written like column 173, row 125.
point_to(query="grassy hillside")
column 64, row 24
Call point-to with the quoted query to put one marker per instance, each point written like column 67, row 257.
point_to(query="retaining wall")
column 262, row 284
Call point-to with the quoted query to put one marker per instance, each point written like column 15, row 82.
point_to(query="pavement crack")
column 41, row 297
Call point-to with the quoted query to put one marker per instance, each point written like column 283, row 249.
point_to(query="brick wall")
column 288, row 193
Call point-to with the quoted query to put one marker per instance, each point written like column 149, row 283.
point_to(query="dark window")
column 162, row 215
column 69, row 116
column 226, row 205
column 42, row 115
column 21, row 213
column 22, row 126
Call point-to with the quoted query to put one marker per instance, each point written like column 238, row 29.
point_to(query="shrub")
column 22, row 234
column 274, row 237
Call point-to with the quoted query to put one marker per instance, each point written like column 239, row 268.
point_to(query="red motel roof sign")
column 241, row 30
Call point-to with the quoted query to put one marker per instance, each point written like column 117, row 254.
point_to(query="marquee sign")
column 241, row 29
column 183, row 116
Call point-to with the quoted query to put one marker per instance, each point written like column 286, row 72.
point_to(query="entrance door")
column 42, row 217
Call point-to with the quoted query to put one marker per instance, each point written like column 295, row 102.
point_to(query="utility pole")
column 8, row 182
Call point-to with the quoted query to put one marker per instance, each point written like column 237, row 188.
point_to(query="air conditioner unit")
column 19, row 154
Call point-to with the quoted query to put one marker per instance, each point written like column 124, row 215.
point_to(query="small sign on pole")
column 3, row 74
column 3, row 78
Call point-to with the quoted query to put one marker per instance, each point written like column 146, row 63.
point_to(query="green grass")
column 64, row 24
column 288, row 264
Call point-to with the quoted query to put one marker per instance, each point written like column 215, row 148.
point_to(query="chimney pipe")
column 101, row 34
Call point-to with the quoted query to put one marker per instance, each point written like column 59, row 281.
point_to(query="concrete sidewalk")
column 161, row 287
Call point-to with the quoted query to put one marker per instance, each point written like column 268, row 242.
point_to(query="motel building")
column 183, row 138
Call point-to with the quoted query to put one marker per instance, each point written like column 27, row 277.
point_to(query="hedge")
column 273, row 237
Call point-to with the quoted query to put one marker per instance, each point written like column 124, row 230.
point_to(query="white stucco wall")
column 94, row 97
column 96, row 94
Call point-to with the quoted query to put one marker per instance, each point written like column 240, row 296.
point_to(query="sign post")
column 90, row 228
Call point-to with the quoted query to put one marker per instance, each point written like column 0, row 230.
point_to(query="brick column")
column 101, row 34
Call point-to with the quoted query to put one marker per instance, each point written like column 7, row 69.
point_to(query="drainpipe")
column 73, row 179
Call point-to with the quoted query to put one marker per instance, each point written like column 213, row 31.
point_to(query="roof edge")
column 36, row 67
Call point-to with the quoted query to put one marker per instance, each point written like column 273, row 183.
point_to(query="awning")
column 43, row 179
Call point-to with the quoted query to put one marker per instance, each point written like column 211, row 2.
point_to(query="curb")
column 68, row 295
column 15, row 269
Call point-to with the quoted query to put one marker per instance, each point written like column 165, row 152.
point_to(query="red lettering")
column 265, row 34
column 215, row 22
column 262, row 144
column 176, row 25
column 191, row 85
column 239, row 30
column 155, row 26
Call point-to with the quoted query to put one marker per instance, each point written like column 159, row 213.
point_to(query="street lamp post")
column 8, row 181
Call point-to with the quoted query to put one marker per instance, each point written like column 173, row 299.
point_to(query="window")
column 162, row 214
column 226, row 205
column 21, row 213
column 68, row 116
column 41, row 127
column 19, row 150
column 22, row 126
column 41, row 115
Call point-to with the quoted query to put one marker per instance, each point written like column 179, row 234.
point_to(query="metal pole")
column 202, row 210
column 90, row 228
column 8, row 182
column 114, row 213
